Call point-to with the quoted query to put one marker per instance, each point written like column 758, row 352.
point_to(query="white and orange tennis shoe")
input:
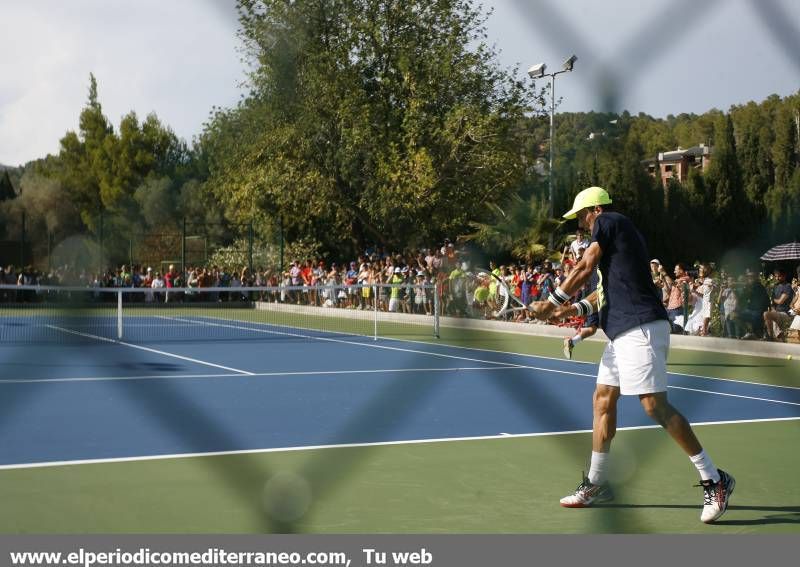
column 716, row 496
column 588, row 494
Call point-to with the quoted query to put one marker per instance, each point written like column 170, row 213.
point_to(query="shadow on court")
column 785, row 514
column 724, row 365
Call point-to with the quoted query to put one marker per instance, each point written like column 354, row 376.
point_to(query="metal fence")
column 325, row 471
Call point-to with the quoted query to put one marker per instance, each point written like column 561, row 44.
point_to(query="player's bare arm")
column 574, row 282
column 572, row 310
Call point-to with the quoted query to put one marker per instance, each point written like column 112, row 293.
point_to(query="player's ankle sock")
column 576, row 339
column 597, row 470
column 704, row 466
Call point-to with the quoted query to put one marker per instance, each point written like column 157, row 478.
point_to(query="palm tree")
column 522, row 228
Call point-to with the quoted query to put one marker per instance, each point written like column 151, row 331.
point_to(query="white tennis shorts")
column 636, row 361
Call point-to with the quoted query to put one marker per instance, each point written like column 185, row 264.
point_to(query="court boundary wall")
column 684, row 342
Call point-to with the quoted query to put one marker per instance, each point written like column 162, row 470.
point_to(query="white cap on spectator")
column 655, row 261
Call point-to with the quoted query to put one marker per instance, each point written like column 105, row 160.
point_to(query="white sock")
column 597, row 470
column 576, row 339
column 705, row 467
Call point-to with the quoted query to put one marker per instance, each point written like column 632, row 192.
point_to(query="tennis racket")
column 491, row 292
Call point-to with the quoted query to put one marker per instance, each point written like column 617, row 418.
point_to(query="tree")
column 369, row 120
column 521, row 228
column 783, row 199
column 6, row 188
column 724, row 182
column 46, row 213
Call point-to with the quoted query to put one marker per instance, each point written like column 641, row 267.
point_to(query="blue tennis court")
column 263, row 388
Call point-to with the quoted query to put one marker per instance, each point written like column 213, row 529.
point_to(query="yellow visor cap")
column 590, row 197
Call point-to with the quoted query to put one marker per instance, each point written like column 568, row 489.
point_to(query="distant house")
column 677, row 163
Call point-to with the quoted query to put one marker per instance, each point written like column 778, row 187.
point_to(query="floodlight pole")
column 535, row 72
column 552, row 135
column 552, row 144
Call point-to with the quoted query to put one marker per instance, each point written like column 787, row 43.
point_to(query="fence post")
column 102, row 251
column 49, row 251
column 22, row 244
column 375, row 311
column 250, row 247
column 183, row 249
column 119, row 315
column 280, row 220
column 436, row 308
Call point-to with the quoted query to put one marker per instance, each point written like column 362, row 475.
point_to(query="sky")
column 178, row 58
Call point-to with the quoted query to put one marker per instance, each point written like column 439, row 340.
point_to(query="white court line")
column 558, row 359
column 368, row 371
column 507, row 364
column 446, row 345
column 161, row 352
column 252, row 374
column 370, row 345
column 735, row 395
column 367, row 345
column 357, row 445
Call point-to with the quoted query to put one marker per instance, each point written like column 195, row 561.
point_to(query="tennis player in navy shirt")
column 634, row 362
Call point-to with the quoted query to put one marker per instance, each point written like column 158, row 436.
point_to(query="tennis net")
column 51, row 314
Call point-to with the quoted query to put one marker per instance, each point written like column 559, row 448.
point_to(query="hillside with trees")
column 365, row 123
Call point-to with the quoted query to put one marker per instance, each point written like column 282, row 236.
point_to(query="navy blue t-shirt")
column 627, row 296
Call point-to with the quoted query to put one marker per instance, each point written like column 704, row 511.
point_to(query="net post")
column 436, row 308
column 375, row 311
column 119, row 315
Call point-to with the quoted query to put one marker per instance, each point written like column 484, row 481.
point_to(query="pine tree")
column 724, row 182
column 6, row 187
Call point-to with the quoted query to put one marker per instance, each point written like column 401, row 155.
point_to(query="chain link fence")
column 325, row 472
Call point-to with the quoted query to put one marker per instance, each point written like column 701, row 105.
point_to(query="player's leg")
column 594, row 488
column 604, row 420
column 717, row 484
column 665, row 414
column 643, row 367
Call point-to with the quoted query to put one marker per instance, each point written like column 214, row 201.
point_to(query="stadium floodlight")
column 537, row 71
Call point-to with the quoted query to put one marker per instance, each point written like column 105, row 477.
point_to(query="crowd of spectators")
column 745, row 305
column 699, row 300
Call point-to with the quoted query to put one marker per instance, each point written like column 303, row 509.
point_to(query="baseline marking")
column 357, row 445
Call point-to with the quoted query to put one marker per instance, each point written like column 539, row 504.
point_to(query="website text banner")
column 393, row 550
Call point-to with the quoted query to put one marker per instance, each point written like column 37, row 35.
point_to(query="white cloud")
column 174, row 58
column 726, row 55
column 178, row 58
